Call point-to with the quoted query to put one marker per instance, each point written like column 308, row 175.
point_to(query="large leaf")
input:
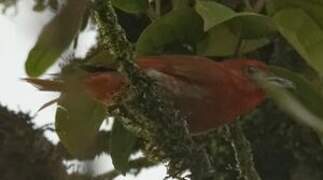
column 301, row 23
column 78, row 119
column 313, row 8
column 305, row 35
column 251, row 25
column 303, row 89
column 122, row 144
column 213, row 13
column 295, row 95
column 55, row 37
column 131, row 6
column 221, row 41
column 225, row 28
column 178, row 4
column 247, row 25
column 182, row 25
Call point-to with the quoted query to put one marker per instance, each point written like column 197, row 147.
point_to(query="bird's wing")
column 199, row 70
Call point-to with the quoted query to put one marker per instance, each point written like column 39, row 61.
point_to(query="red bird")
column 209, row 93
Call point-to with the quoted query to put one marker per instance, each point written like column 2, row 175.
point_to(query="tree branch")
column 163, row 127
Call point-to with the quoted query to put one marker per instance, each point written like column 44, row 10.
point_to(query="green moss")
column 164, row 130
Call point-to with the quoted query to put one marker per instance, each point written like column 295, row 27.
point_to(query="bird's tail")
column 46, row 85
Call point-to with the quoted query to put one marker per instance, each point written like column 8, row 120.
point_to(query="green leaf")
column 313, row 8
column 300, row 22
column 304, row 35
column 78, row 119
column 295, row 95
column 183, row 26
column 248, row 25
column 122, row 144
column 251, row 25
column 221, row 41
column 225, row 28
column 178, row 4
column 131, row 6
column 55, row 37
column 102, row 58
column 303, row 89
column 213, row 13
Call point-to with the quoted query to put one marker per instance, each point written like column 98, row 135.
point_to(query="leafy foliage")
column 226, row 29
column 131, row 6
column 78, row 119
column 55, row 38
column 122, row 144
column 200, row 27
column 305, row 34
column 212, row 43
column 213, row 13
column 301, row 100
column 182, row 26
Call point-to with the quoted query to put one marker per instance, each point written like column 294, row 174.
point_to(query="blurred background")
column 284, row 134
column 20, row 27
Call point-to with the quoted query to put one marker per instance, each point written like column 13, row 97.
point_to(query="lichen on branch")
column 163, row 128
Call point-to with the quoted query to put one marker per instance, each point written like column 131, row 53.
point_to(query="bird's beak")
column 281, row 82
column 272, row 79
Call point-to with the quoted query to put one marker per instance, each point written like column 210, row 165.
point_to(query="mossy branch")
column 24, row 151
column 166, row 132
column 243, row 152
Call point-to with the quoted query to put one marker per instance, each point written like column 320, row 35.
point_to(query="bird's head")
column 242, row 73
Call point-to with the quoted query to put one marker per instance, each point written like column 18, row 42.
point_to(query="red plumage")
column 209, row 93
